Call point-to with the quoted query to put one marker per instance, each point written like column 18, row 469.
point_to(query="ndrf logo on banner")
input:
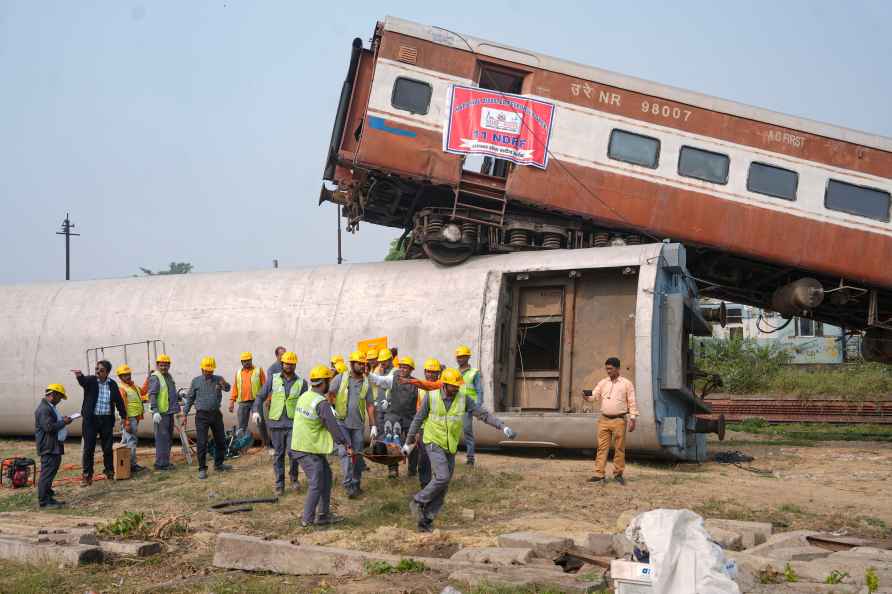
column 501, row 125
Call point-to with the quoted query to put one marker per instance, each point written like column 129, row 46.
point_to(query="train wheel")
column 448, row 254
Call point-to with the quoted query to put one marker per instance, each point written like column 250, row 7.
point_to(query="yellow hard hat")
column 407, row 361
column 385, row 355
column 289, row 357
column 462, row 351
column 246, row 356
column 432, row 365
column 320, row 372
column 208, row 364
column 162, row 358
column 58, row 388
column 336, row 358
column 123, row 370
column 371, row 355
column 357, row 357
column 340, row 366
column 452, row 377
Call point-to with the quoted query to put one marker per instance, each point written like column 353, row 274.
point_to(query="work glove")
column 156, row 418
column 256, row 418
column 384, row 405
column 509, row 433
column 374, row 432
column 407, row 449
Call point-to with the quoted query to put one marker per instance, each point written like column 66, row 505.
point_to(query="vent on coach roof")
column 407, row 54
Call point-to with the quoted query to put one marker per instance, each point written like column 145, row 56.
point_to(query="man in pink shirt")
column 616, row 395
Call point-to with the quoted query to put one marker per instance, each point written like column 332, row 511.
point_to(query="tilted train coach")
column 474, row 147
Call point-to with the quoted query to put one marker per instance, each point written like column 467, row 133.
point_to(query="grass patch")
column 406, row 565
column 23, row 500
column 790, row 508
column 497, row 589
column 808, row 433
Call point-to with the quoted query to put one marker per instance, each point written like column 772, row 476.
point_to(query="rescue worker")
column 352, row 409
column 371, row 357
column 283, row 390
column 248, row 381
column 337, row 364
column 50, row 432
column 313, row 437
column 442, row 414
column 133, row 404
column 432, row 370
column 101, row 398
column 398, row 405
column 163, row 404
column 616, row 396
column 206, row 392
column 473, row 387
column 264, row 433
column 383, row 369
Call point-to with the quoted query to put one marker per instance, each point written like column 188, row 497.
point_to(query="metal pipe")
column 343, row 105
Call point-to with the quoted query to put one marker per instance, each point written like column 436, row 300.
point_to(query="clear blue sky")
column 196, row 131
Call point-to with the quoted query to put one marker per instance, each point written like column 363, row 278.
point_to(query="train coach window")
column 857, row 200
column 772, row 181
column 411, row 95
column 634, row 148
column 705, row 165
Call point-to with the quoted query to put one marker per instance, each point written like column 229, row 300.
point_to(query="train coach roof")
column 521, row 56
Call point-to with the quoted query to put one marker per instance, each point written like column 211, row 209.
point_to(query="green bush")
column 744, row 365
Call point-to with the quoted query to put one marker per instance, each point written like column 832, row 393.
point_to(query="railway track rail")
column 804, row 411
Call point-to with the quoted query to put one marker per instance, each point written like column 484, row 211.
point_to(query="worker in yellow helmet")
column 337, row 364
column 353, row 407
column 134, row 405
column 473, row 387
column 282, row 389
column 371, row 360
column 206, row 392
column 248, row 381
column 396, row 403
column 313, row 437
column 418, row 460
column 50, row 432
column 442, row 414
column 163, row 404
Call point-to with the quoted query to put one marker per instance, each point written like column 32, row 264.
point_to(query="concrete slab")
column 494, row 556
column 523, row 577
column 131, row 548
column 727, row 539
column 28, row 550
column 543, row 545
column 751, row 533
column 780, row 541
column 598, row 543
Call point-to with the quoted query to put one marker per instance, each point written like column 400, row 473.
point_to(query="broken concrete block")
column 622, row 547
column 494, row 556
column 131, row 548
column 27, row 550
column 727, row 539
column 622, row 522
column 543, row 545
column 60, row 535
column 468, row 514
column 751, row 533
column 523, row 578
column 881, row 556
column 782, row 540
column 598, row 543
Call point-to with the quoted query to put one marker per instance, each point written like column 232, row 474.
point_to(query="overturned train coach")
column 473, row 147
column 540, row 324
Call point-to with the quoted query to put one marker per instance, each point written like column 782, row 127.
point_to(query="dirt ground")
column 829, row 486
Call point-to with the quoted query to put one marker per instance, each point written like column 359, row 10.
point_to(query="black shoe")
column 416, row 509
column 328, row 520
column 619, row 478
column 280, row 490
column 596, row 479
column 51, row 505
column 469, row 462
column 427, row 526
column 222, row 467
column 353, row 494
column 202, row 474
column 56, row 501
column 137, row 468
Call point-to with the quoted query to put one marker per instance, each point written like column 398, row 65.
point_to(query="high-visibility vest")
column 421, row 395
column 443, row 427
column 467, row 388
column 255, row 384
column 280, row 400
column 342, row 398
column 132, row 400
column 309, row 434
column 162, row 401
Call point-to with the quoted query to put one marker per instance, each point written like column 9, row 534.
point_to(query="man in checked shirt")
column 616, row 395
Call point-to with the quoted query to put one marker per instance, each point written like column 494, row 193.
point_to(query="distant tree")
column 175, row 268
column 396, row 253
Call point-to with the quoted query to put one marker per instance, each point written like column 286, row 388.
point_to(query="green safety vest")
column 255, row 384
column 421, row 395
column 162, row 401
column 280, row 400
column 343, row 397
column 467, row 388
column 133, row 400
column 445, row 428
column 309, row 434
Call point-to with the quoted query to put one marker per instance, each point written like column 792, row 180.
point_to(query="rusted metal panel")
column 537, row 393
column 604, row 327
column 418, row 155
column 359, row 101
column 430, row 56
column 541, row 301
column 702, row 219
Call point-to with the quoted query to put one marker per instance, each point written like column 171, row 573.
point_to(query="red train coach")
column 476, row 147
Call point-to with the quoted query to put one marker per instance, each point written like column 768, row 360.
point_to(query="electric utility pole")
column 67, row 226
